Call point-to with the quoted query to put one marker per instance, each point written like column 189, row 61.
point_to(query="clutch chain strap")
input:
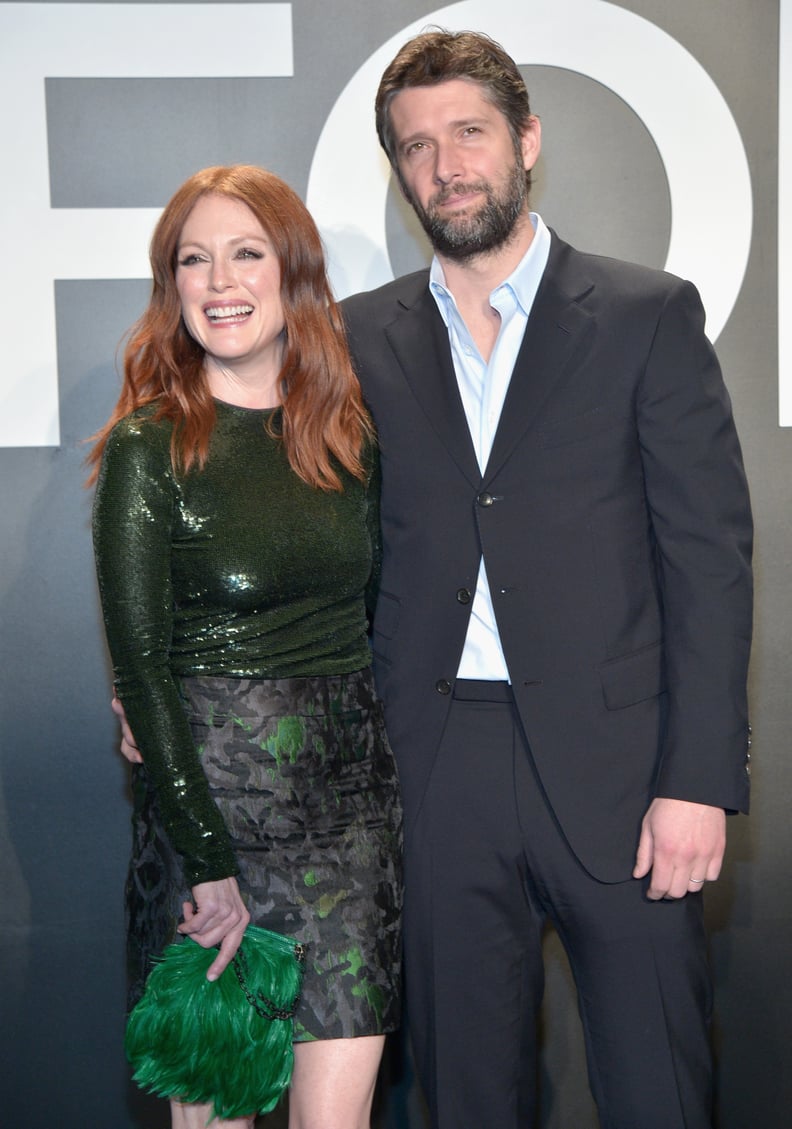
column 263, row 1005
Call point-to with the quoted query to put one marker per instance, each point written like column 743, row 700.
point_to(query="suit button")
column 463, row 595
column 485, row 499
column 443, row 686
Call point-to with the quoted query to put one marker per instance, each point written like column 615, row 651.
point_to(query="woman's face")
column 228, row 279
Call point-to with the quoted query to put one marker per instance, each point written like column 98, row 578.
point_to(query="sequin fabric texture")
column 242, row 579
column 238, row 570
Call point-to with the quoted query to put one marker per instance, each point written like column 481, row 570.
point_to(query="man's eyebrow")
column 458, row 123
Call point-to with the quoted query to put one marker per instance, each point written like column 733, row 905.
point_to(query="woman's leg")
column 333, row 1083
column 198, row 1117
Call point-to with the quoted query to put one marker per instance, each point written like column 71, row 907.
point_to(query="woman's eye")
column 188, row 260
column 248, row 253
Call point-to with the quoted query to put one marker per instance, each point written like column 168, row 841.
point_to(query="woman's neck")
column 242, row 389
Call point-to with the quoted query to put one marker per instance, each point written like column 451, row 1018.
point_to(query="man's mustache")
column 446, row 194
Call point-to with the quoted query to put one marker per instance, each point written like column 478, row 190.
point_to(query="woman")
column 235, row 531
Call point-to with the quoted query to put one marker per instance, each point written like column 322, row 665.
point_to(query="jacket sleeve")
column 132, row 526
column 700, row 511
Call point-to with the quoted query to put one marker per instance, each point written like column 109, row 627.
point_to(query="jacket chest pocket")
column 577, row 429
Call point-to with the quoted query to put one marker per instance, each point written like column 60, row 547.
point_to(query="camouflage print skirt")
column 304, row 777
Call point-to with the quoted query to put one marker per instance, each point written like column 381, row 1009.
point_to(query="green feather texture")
column 227, row 1043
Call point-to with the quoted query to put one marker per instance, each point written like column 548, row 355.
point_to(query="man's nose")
column 448, row 163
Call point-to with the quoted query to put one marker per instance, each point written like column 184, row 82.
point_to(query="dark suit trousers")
column 486, row 866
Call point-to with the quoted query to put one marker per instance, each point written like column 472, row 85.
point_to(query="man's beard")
column 462, row 237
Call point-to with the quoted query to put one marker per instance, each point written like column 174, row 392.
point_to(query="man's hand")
column 128, row 747
column 218, row 917
column 682, row 844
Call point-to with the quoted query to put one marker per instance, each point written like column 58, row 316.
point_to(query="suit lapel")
column 419, row 340
column 557, row 330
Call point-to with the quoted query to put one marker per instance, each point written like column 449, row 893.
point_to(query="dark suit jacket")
column 615, row 524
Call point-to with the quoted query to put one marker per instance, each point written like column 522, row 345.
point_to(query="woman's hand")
column 216, row 916
column 128, row 747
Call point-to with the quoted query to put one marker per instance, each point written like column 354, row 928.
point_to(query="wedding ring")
column 697, row 880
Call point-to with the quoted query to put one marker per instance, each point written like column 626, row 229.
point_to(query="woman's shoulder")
column 141, row 435
column 142, row 426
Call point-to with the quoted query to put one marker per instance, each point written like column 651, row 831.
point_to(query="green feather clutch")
column 226, row 1042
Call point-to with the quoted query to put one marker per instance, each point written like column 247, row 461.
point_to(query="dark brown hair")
column 437, row 56
column 323, row 417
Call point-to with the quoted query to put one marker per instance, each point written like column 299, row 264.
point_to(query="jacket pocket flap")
column 633, row 678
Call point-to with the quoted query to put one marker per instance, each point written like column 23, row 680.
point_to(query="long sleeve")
column 133, row 522
column 700, row 512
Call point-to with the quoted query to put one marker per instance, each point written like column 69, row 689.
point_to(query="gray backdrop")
column 127, row 143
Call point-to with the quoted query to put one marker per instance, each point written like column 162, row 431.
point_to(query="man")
column 563, row 627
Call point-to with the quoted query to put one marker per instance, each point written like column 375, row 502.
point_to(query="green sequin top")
column 240, row 570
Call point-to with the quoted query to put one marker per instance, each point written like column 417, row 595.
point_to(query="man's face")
column 460, row 167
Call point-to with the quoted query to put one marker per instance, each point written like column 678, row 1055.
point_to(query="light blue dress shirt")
column 483, row 387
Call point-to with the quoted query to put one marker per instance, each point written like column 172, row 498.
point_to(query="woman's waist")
column 315, row 694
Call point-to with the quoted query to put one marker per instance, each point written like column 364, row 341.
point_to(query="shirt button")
column 443, row 686
column 463, row 595
column 485, row 499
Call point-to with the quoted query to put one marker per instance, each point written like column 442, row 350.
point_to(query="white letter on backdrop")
column 785, row 215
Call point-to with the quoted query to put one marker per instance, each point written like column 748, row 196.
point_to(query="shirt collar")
column 523, row 281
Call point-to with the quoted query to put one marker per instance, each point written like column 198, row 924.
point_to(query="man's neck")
column 480, row 274
column 472, row 281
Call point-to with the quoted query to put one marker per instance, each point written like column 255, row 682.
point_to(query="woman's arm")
column 133, row 525
column 217, row 914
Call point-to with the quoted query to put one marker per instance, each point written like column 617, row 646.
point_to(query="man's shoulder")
column 619, row 276
column 381, row 303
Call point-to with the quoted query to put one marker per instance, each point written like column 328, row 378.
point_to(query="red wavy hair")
column 324, row 421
